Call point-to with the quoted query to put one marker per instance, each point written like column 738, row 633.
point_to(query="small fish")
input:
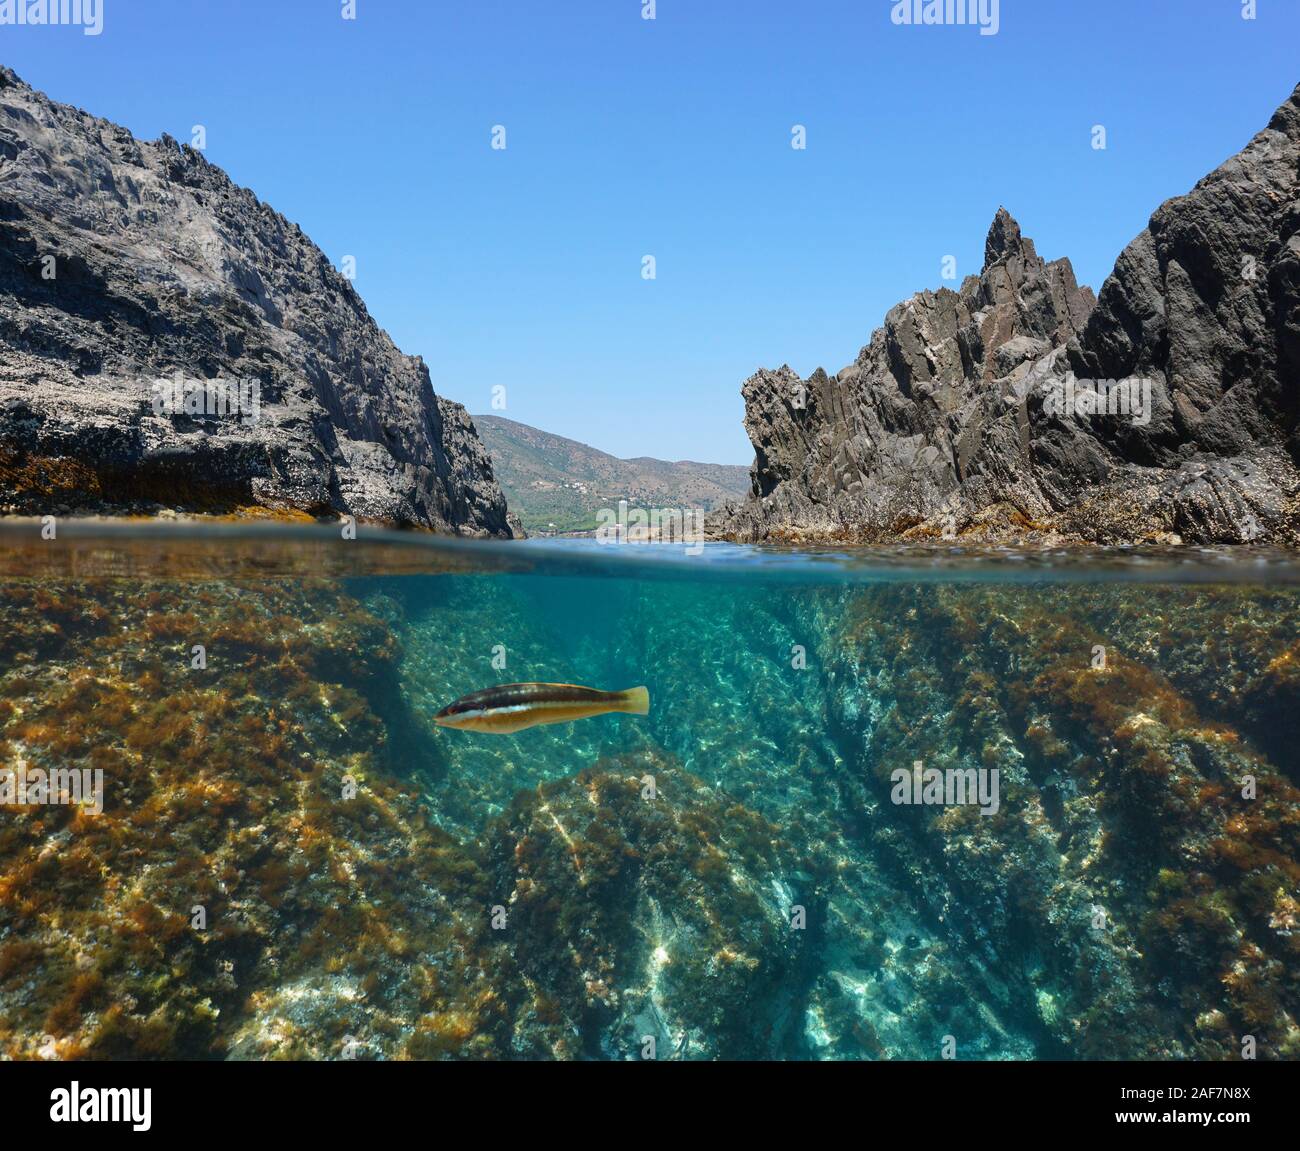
column 515, row 706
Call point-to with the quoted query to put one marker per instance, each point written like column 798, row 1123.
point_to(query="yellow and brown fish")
column 512, row 707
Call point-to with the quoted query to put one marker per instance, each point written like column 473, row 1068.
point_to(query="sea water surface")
column 897, row 804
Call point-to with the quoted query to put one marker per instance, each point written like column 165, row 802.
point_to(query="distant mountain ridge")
column 557, row 484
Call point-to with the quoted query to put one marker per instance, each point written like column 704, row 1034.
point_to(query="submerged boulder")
column 642, row 905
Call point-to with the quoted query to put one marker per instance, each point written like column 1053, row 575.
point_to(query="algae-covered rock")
column 291, row 863
column 1138, row 870
column 255, row 852
column 644, row 906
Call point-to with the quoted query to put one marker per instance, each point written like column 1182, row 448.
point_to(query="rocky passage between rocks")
column 373, row 887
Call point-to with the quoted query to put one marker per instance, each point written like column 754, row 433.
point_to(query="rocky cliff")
column 125, row 263
column 1018, row 407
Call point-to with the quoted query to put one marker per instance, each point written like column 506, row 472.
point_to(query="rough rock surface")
column 665, row 917
column 949, row 422
column 123, row 262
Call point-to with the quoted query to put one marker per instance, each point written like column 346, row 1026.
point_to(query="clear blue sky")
column 671, row 138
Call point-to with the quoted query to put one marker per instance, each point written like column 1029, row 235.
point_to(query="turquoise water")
column 781, row 861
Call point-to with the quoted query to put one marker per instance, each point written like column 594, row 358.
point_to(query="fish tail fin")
column 635, row 701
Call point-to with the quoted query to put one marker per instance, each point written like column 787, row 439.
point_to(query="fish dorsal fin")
column 539, row 683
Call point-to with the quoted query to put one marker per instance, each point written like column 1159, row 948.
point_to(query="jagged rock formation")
column 123, row 262
column 956, row 419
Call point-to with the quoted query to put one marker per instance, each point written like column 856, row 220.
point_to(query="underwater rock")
column 376, row 888
column 124, row 263
column 665, row 916
column 1135, row 881
column 246, row 887
column 955, row 421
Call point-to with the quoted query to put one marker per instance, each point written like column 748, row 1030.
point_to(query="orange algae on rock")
column 1135, row 903
column 1122, row 799
column 221, row 796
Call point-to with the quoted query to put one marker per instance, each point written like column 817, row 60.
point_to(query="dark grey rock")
column 162, row 266
column 946, row 424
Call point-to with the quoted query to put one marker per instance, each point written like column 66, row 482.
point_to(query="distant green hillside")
column 555, row 484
